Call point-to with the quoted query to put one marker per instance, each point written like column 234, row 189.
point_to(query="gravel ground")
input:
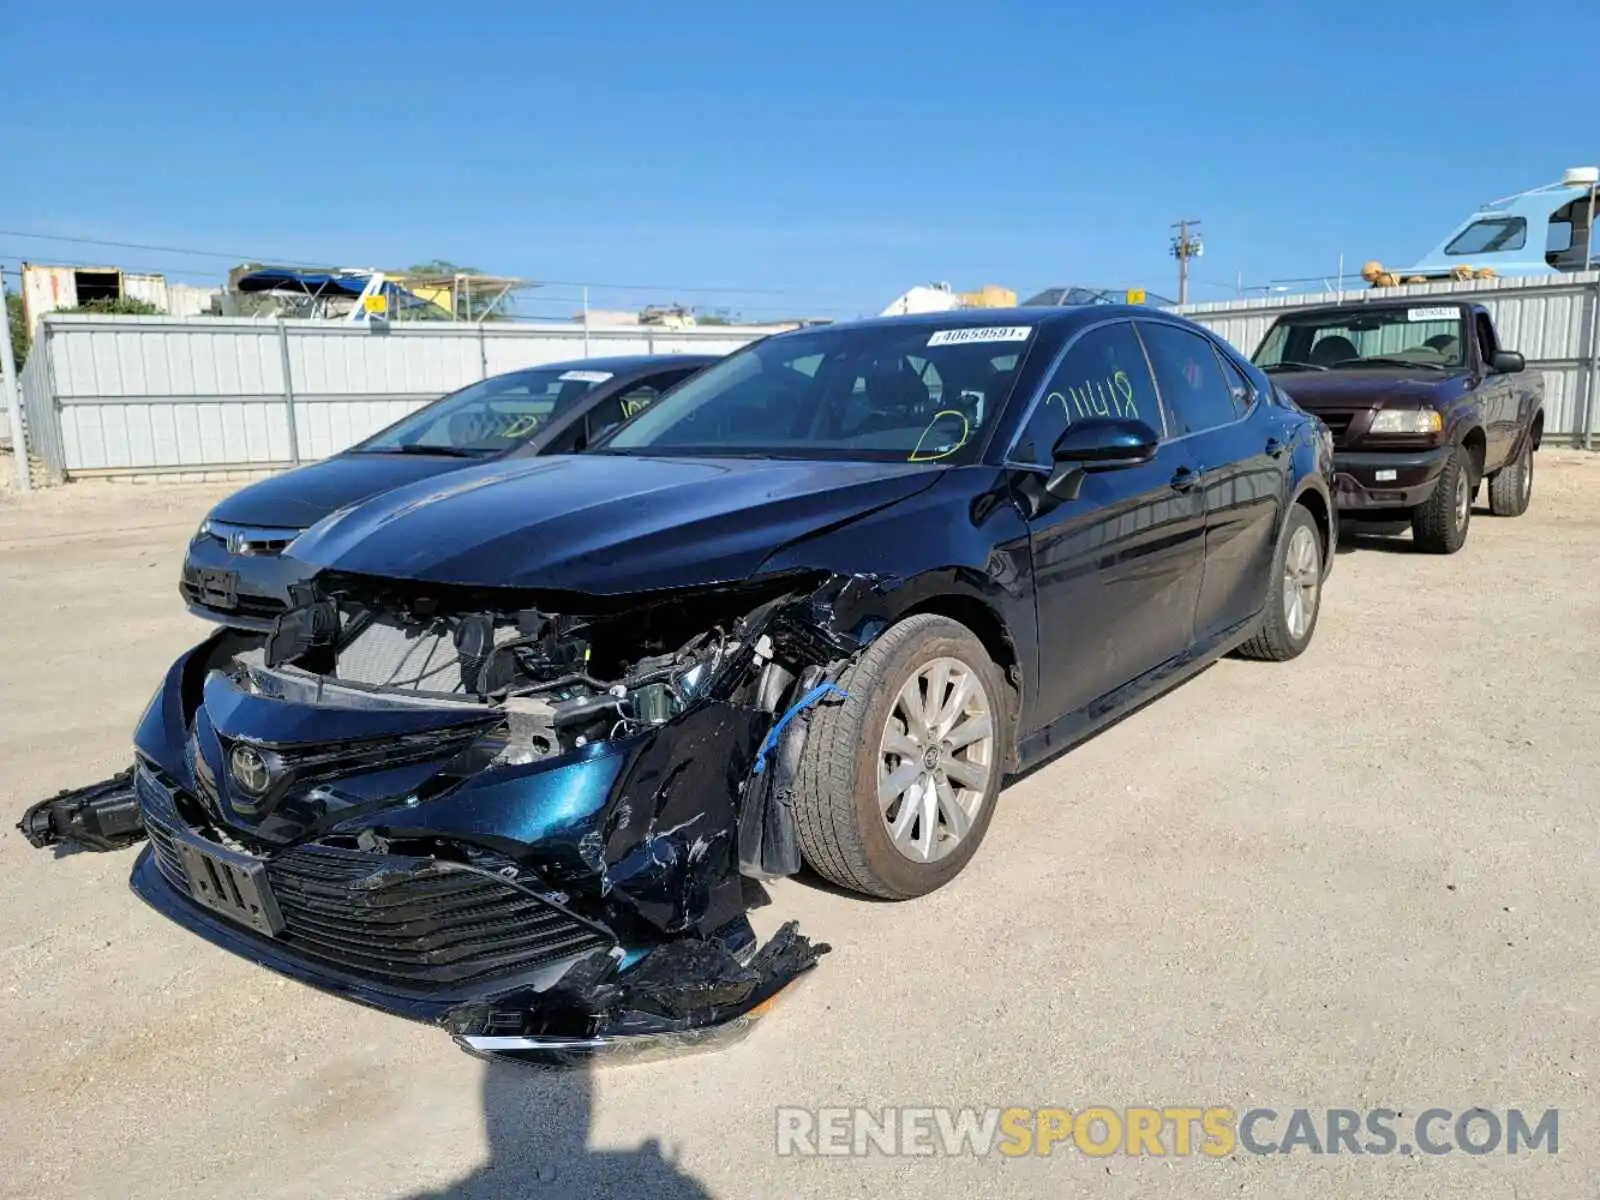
column 1358, row 880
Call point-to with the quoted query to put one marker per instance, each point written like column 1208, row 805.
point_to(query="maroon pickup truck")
column 1423, row 404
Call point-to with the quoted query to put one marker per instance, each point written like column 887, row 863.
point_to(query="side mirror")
column 1104, row 444
column 1508, row 362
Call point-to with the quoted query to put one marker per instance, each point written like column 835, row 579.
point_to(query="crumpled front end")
column 536, row 820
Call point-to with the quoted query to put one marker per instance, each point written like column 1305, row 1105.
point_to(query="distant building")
column 51, row 289
column 1059, row 297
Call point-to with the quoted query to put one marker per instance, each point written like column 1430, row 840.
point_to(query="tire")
column 1286, row 626
column 844, row 834
column 1511, row 487
column 1439, row 524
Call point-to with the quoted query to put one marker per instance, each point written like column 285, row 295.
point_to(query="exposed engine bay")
column 538, row 820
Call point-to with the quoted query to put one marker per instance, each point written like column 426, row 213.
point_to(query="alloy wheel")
column 1302, row 581
column 936, row 759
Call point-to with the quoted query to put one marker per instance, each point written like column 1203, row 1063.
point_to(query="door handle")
column 1274, row 447
column 1183, row 479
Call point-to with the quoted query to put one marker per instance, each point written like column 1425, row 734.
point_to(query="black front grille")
column 1338, row 423
column 162, row 826
column 247, row 606
column 416, row 921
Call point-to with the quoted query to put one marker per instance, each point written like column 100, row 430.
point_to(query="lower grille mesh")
column 402, row 920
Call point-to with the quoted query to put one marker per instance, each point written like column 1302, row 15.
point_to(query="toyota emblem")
column 249, row 770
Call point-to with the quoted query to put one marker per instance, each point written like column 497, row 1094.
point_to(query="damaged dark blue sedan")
column 518, row 755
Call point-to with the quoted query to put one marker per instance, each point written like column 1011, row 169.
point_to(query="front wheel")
column 1294, row 596
column 898, row 782
column 1439, row 524
column 1511, row 487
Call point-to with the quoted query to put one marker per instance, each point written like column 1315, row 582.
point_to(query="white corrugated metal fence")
column 153, row 395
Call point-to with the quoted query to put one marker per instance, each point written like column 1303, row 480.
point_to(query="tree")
column 126, row 306
column 19, row 328
column 436, row 268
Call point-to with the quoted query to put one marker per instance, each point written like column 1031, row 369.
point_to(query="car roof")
column 1059, row 321
column 620, row 364
column 1384, row 305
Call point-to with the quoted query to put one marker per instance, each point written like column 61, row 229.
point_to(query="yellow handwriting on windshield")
column 520, row 426
column 966, row 432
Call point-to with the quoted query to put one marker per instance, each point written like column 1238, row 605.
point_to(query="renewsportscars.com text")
column 1175, row 1131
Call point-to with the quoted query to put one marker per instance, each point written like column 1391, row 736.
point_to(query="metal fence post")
column 483, row 354
column 13, row 398
column 288, row 392
column 1591, row 390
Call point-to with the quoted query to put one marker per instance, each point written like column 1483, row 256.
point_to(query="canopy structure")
column 355, row 292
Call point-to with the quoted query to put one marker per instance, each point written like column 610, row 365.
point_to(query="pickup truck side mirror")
column 1098, row 444
column 1507, row 362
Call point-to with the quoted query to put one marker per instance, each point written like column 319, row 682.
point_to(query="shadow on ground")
column 536, row 1123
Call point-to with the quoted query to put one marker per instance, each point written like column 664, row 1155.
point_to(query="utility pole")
column 1185, row 245
column 9, row 394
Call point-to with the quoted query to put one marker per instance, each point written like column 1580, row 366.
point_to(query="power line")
column 701, row 289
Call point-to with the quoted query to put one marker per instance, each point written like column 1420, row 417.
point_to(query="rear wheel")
column 1511, row 487
column 1294, row 596
column 1439, row 524
column 897, row 784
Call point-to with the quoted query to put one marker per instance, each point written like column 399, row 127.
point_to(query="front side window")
column 1422, row 335
column 1490, row 235
column 489, row 417
column 913, row 392
column 1104, row 374
column 1193, row 390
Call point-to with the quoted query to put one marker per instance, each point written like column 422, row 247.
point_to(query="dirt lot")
column 1362, row 879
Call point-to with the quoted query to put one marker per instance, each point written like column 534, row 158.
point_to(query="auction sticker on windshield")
column 983, row 333
column 1433, row 314
column 585, row 376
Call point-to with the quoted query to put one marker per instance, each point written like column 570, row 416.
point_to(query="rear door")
column 1116, row 570
column 1211, row 408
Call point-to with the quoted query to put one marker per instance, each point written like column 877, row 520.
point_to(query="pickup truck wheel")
column 1439, row 524
column 897, row 783
column 1294, row 597
column 1511, row 487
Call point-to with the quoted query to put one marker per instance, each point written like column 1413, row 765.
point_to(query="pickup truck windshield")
column 1418, row 336
column 488, row 417
column 911, row 392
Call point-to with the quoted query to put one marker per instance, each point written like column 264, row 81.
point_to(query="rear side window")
column 1193, row 390
column 1239, row 385
column 1104, row 375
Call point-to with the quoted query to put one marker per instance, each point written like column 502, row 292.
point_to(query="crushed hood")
column 302, row 497
column 602, row 524
column 1316, row 391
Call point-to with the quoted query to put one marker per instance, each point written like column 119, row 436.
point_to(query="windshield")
column 491, row 416
column 884, row 393
column 1345, row 340
column 1484, row 237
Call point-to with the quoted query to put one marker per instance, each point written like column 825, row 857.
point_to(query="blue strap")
column 795, row 709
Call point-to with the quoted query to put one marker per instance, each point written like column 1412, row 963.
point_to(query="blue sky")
column 780, row 158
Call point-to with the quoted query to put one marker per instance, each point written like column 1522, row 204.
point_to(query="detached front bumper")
column 508, row 972
column 1373, row 481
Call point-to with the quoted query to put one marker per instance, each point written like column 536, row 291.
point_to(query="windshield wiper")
column 1290, row 364
column 446, row 451
column 1398, row 362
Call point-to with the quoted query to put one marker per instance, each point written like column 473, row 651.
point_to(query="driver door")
column 1116, row 570
column 1497, row 397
